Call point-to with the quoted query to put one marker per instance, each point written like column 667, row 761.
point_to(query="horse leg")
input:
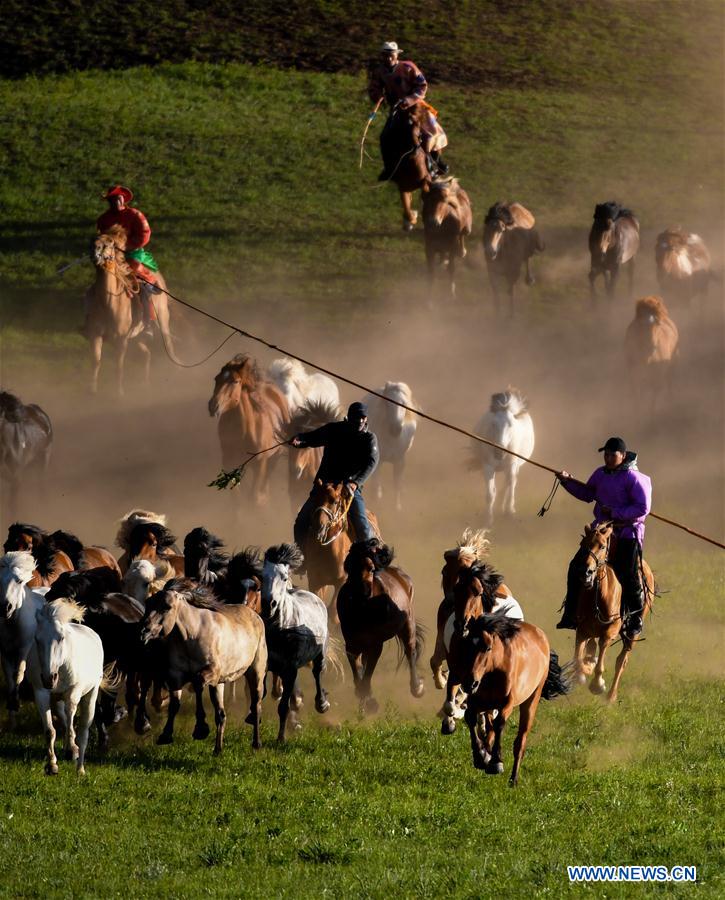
column 121, row 349
column 86, row 709
column 99, row 719
column 142, row 724
column 255, row 682
column 527, row 714
column 322, row 704
column 410, row 216
column 356, row 664
column 511, row 474
column 581, row 669
column 201, row 729
column 96, row 344
column 452, row 274
column 495, row 764
column 597, row 685
column 592, row 286
column 145, row 350
column 612, row 282
column 490, row 476
column 42, row 701
column 297, row 699
column 216, row 693
column 630, row 274
column 480, row 755
column 619, row 668
column 368, row 703
column 437, row 660
column 13, row 682
column 289, row 676
column 70, row 747
column 398, row 470
column 167, row 735
column 408, row 638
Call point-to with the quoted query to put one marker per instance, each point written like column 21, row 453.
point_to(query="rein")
column 336, row 517
column 599, row 575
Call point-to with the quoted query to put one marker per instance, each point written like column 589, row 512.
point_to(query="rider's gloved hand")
column 350, row 487
column 563, row 475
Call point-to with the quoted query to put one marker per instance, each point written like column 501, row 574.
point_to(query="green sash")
column 144, row 257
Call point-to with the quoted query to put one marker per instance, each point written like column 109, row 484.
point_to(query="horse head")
column 365, row 558
column 51, row 620
column 16, row 570
column 148, row 540
column 329, row 517
column 239, row 374
column 204, row 555
column 162, row 610
column 593, row 552
column 107, row 249
column 498, row 220
column 279, row 562
column 474, row 594
column 479, row 643
column 243, row 580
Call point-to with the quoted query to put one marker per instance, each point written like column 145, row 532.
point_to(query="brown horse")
column 447, row 220
column 111, row 308
column 50, row 561
column 376, row 604
column 83, row 557
column 683, row 264
column 613, row 242
column 154, row 542
column 252, row 414
column 599, row 614
column 651, row 349
column 404, row 157
column 502, row 664
column 509, row 242
column 303, row 462
column 328, row 541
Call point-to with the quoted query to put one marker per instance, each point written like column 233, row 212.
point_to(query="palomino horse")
column 300, row 388
column 651, row 349
column 404, row 157
column 49, row 560
column 508, row 424
column 503, row 663
column 296, row 627
column 26, row 439
column 66, row 664
column 303, row 462
column 252, row 413
column 509, row 242
column 110, row 307
column 447, row 220
column 207, row 643
column 683, row 264
column 375, row 605
column 328, row 541
column 613, row 242
column 395, row 428
column 599, row 613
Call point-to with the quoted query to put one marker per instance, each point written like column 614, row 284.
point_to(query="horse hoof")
column 448, row 725
column 439, row 681
column 480, row 762
column 494, row 768
column 597, row 687
column 81, row 770
column 51, row 769
column 369, row 706
column 250, row 719
column 408, row 226
column 165, row 739
column 581, row 678
column 322, row 706
column 296, row 702
column 142, row 727
column 417, row 689
column 200, row 732
column 119, row 714
column 217, row 751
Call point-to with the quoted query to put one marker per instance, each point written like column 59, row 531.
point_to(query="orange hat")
column 118, row 190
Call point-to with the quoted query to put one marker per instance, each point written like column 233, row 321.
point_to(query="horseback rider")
column 402, row 84
column 138, row 232
column 623, row 496
column 350, row 457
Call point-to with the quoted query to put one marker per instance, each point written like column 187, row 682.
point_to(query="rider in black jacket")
column 350, row 457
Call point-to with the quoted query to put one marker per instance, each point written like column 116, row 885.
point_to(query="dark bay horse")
column 447, row 220
column 375, row 605
column 404, row 157
column 599, row 612
column 204, row 558
column 26, row 439
column 509, row 242
column 503, row 663
column 50, row 562
column 613, row 243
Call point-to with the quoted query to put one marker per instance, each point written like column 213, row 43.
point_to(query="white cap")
column 390, row 47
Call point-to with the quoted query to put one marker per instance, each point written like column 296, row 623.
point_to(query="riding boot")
column 384, row 175
column 568, row 618
column 442, row 168
column 632, row 614
column 147, row 309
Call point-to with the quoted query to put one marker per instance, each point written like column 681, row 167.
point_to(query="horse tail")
column 334, row 656
column 112, row 679
column 421, row 632
column 558, row 680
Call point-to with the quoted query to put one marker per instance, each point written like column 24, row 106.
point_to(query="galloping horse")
column 83, row 557
column 395, row 428
column 509, row 242
column 303, row 462
column 26, row 438
column 110, row 307
column 651, row 349
column 376, row 604
column 300, row 388
column 447, row 220
column 613, row 242
column 252, row 413
column 503, row 663
column 49, row 560
column 404, row 157
column 599, row 614
column 683, row 264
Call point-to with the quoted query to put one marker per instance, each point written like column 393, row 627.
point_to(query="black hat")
column 614, row 443
column 357, row 411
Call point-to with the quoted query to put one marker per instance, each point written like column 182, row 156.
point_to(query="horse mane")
column 286, row 367
column 474, row 543
column 80, row 585
column 511, row 400
column 19, row 559
column 498, row 624
column 71, row 545
column 284, row 555
column 249, row 368
column 205, row 547
column 131, row 520
column 195, row 594
column 164, row 538
column 313, row 414
column 245, row 564
column 651, row 306
column 381, row 554
column 499, row 212
column 11, row 407
column 43, row 546
column 610, row 210
column 64, row 611
column 490, row 580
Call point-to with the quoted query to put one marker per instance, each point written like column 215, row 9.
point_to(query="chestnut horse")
column 154, row 542
column 683, row 264
column 503, row 663
column 49, row 560
column 613, row 242
column 509, row 242
column 83, row 557
column 651, row 349
column 404, row 157
column 110, row 307
column 599, row 613
column 375, row 604
column 447, row 220
column 252, row 414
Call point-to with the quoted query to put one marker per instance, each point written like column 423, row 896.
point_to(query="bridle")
column 596, row 581
column 336, row 517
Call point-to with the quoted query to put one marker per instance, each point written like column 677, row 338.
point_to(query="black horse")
column 26, row 439
column 509, row 242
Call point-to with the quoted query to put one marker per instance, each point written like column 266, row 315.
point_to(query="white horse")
column 508, row 424
column 300, row 388
column 395, row 428
column 296, row 628
column 143, row 578
column 18, row 607
column 66, row 663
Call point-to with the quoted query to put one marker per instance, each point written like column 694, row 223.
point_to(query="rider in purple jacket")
column 623, row 495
